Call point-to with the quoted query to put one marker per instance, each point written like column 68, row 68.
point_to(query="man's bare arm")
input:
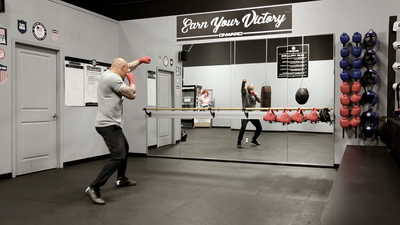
column 243, row 89
column 132, row 65
column 128, row 92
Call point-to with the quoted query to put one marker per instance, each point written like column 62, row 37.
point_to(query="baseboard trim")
column 246, row 161
column 5, row 176
column 133, row 154
column 74, row 162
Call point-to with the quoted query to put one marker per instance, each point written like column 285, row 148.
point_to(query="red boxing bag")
column 355, row 98
column 355, row 111
column 270, row 117
column 356, row 87
column 344, row 99
column 285, row 118
column 344, row 122
column 355, row 122
column 298, row 116
column 345, row 87
column 313, row 116
column 344, row 111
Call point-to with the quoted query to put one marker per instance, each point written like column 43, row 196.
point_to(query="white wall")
column 80, row 35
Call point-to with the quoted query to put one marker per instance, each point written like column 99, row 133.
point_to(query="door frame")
column 59, row 95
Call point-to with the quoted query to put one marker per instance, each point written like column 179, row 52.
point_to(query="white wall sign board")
column 81, row 80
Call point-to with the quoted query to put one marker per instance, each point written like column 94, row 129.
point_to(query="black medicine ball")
column 302, row 96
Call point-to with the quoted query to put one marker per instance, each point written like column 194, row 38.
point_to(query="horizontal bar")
column 216, row 115
column 233, row 109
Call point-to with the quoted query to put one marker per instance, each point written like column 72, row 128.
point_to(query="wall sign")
column 292, row 61
column 235, row 23
column 81, row 79
column 165, row 61
column 2, row 54
column 3, row 36
column 39, row 31
column 54, row 34
column 21, row 26
column 3, row 73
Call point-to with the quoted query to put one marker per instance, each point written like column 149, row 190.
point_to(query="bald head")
column 119, row 62
column 250, row 87
column 120, row 66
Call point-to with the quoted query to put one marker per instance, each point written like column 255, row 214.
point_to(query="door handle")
column 55, row 116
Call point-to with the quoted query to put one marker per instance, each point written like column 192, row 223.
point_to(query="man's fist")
column 145, row 59
column 131, row 78
column 254, row 93
column 244, row 81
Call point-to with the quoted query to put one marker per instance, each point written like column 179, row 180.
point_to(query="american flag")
column 3, row 74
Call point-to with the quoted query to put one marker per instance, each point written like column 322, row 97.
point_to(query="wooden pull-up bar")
column 233, row 109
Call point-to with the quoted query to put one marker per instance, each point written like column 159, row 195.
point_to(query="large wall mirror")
column 212, row 76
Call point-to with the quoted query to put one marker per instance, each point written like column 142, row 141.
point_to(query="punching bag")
column 265, row 94
column 302, row 96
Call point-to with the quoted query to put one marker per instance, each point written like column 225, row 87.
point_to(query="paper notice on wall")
column 92, row 77
column 74, row 84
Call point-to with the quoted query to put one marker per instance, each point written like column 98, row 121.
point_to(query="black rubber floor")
column 170, row 192
column 276, row 147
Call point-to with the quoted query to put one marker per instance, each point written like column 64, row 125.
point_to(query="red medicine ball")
column 344, row 99
column 344, row 111
column 344, row 122
column 356, row 86
column 345, row 87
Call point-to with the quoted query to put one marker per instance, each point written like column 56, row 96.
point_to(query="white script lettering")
column 188, row 24
column 223, row 23
column 253, row 18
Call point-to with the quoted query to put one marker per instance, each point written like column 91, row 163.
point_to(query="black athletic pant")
column 256, row 123
column 118, row 147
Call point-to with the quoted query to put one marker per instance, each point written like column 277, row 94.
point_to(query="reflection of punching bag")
column 266, row 94
column 302, row 96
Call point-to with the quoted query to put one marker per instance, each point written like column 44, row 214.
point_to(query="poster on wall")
column 21, row 26
column 205, row 100
column 3, row 36
column 293, row 61
column 74, row 83
column 3, row 73
column 92, row 77
column 81, row 80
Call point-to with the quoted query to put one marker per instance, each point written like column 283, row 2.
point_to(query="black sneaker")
column 94, row 195
column 239, row 145
column 124, row 181
column 254, row 142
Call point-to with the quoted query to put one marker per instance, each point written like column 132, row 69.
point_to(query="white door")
column 35, row 121
column 164, row 100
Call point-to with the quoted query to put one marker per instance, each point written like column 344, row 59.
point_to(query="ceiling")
column 141, row 9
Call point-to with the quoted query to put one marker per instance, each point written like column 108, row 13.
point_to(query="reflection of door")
column 164, row 100
column 35, row 108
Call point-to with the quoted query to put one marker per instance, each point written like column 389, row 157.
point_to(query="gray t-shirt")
column 248, row 100
column 109, row 100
